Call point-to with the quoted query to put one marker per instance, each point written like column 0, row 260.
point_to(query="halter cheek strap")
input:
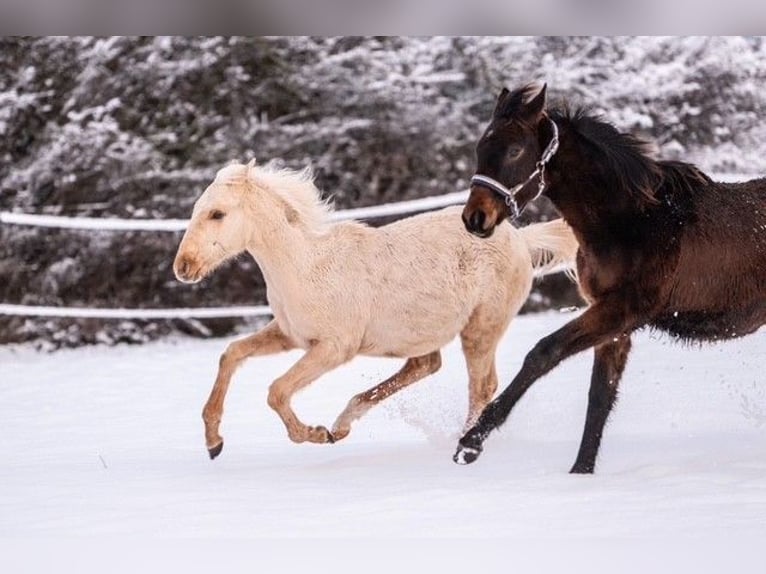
column 510, row 194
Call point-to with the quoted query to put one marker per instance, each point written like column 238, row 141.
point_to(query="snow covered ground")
column 108, row 441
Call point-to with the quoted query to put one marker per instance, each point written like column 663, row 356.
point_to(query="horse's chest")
column 293, row 324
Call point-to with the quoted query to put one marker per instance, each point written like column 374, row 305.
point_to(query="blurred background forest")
column 136, row 127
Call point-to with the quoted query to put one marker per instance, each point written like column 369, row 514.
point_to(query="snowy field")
column 108, row 441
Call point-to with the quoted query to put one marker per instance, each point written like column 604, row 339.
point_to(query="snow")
column 108, row 442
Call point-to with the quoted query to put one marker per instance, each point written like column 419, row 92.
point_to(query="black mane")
column 629, row 159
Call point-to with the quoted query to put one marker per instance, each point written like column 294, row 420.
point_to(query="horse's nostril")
column 182, row 267
column 477, row 220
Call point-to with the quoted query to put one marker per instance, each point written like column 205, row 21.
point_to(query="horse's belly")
column 713, row 301
column 712, row 325
column 409, row 339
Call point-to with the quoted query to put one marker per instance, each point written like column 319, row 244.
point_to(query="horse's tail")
column 552, row 245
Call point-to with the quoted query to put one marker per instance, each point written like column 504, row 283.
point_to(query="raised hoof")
column 317, row 435
column 466, row 454
column 328, row 436
column 215, row 451
column 338, row 435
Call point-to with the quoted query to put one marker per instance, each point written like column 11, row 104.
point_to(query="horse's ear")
column 500, row 104
column 534, row 108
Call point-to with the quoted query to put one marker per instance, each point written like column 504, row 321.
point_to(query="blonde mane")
column 295, row 187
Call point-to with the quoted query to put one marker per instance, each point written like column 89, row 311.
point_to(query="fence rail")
column 147, row 314
column 176, row 225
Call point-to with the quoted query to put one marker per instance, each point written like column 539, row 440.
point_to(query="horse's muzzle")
column 476, row 222
column 183, row 267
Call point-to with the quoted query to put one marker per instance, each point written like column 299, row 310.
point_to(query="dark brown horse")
column 661, row 245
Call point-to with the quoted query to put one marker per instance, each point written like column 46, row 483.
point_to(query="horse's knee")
column 228, row 357
column 544, row 356
column 546, row 350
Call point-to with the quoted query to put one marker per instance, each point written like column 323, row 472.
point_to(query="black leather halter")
column 510, row 194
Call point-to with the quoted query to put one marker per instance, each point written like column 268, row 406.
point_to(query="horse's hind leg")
column 267, row 341
column 414, row 369
column 608, row 366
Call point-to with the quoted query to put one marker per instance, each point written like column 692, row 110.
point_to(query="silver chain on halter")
column 510, row 194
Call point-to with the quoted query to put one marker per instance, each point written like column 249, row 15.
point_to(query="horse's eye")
column 217, row 214
column 514, row 151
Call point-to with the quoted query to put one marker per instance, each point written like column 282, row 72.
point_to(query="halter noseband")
column 510, row 194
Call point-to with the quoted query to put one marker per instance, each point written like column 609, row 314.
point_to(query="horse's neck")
column 583, row 199
column 285, row 255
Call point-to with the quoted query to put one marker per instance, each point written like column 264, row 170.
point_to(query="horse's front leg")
column 608, row 366
column 415, row 369
column 600, row 323
column 318, row 360
column 267, row 341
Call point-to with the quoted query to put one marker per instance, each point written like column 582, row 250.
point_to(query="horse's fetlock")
column 297, row 435
column 211, row 416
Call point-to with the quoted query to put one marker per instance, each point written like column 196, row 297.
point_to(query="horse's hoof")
column 328, row 436
column 582, row 469
column 317, row 435
column 338, row 435
column 466, row 454
column 215, row 451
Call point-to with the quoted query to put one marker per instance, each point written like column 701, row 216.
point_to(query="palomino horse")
column 342, row 289
column 661, row 245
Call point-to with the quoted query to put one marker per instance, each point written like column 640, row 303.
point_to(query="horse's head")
column 511, row 160
column 217, row 230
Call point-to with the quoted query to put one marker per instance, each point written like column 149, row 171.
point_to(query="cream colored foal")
column 340, row 289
